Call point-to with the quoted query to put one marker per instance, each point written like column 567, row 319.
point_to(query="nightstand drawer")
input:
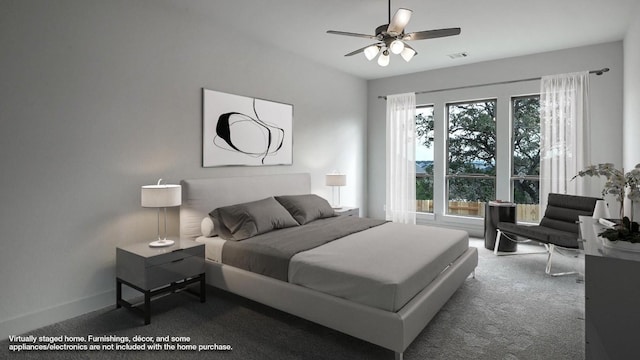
column 174, row 256
column 175, row 270
column 148, row 268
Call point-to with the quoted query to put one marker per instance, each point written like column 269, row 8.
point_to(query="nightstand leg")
column 203, row 291
column 118, row 293
column 147, row 307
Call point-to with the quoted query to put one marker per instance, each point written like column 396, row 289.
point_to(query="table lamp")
column 335, row 180
column 161, row 196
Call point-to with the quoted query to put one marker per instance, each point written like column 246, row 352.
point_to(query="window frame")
column 447, row 174
column 512, row 175
column 432, row 176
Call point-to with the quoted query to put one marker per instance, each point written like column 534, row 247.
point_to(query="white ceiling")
column 491, row 29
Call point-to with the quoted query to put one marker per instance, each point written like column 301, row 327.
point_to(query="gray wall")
column 100, row 97
column 606, row 106
column 632, row 96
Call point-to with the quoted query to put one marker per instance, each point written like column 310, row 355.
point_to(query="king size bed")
column 378, row 281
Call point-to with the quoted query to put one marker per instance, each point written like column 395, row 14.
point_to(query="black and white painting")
column 240, row 130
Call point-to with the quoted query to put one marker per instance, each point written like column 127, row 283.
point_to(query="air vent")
column 458, row 55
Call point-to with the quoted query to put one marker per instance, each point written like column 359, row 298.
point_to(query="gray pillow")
column 306, row 208
column 242, row 221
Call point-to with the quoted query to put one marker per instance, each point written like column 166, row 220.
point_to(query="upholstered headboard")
column 200, row 196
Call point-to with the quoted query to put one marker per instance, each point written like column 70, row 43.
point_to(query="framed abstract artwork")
column 240, row 130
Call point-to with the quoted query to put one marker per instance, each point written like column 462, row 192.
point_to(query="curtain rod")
column 597, row 72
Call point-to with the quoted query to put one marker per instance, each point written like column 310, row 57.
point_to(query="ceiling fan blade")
column 351, row 34
column 361, row 50
column 432, row 34
column 399, row 20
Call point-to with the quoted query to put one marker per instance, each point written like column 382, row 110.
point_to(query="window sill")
column 422, row 216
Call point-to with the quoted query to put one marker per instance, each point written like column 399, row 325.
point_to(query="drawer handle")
column 175, row 261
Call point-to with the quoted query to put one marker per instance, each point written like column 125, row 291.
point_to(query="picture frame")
column 244, row 131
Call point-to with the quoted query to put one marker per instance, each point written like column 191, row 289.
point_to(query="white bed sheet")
column 383, row 267
column 212, row 247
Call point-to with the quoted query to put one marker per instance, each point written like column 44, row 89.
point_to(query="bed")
column 390, row 316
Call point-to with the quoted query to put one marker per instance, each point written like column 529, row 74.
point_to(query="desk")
column 612, row 298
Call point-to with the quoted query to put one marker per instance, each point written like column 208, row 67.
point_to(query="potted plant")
column 627, row 231
column 619, row 184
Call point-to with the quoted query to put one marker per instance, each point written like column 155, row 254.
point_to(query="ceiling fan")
column 392, row 38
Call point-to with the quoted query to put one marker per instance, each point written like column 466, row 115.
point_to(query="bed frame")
column 392, row 330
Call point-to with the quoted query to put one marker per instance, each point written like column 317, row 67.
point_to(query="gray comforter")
column 269, row 254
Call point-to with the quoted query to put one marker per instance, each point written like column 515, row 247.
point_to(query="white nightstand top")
column 347, row 211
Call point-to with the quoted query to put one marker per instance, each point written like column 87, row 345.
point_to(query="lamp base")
column 161, row 243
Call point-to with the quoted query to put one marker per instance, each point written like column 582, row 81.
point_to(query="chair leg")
column 552, row 248
column 495, row 246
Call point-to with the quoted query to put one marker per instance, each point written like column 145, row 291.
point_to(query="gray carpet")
column 511, row 310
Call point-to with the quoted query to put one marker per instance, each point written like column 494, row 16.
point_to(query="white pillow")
column 207, row 228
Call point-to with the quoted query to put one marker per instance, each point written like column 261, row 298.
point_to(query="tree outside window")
column 424, row 159
column 471, row 162
column 471, row 157
column 525, row 178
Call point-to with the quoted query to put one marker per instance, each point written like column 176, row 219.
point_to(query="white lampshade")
column 396, row 46
column 371, row 52
column 407, row 54
column 383, row 60
column 336, row 179
column 161, row 195
column 601, row 210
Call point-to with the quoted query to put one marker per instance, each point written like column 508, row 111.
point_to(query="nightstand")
column 347, row 211
column 155, row 271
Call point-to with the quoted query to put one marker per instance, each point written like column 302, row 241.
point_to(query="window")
column 468, row 136
column 525, row 175
column 424, row 159
column 471, row 157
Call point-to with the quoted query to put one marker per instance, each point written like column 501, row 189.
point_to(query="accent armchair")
column 558, row 228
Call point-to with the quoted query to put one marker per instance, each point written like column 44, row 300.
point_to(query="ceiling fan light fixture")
column 407, row 53
column 391, row 38
column 383, row 60
column 396, row 46
column 371, row 52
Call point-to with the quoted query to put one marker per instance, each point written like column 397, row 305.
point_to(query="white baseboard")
column 24, row 323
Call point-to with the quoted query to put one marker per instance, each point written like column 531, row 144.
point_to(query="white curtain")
column 564, row 130
column 401, row 164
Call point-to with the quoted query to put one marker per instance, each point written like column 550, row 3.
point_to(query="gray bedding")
column 383, row 267
column 270, row 253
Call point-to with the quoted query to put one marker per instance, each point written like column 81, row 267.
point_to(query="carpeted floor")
column 510, row 310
